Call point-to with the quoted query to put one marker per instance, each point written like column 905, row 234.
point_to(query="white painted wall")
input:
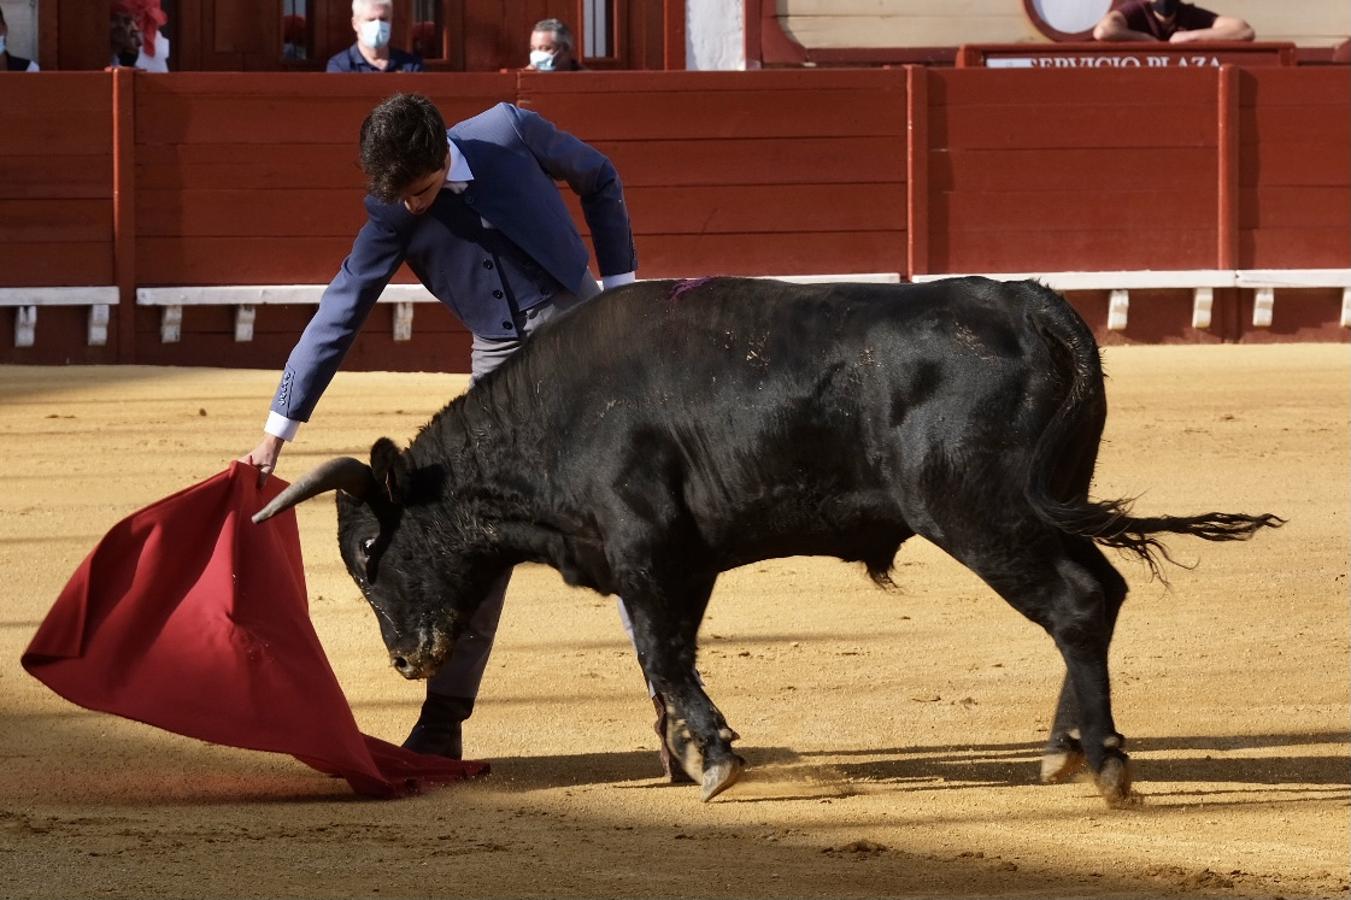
column 715, row 34
column 22, row 18
column 948, row 23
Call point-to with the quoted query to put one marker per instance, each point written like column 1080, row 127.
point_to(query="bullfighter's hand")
column 264, row 456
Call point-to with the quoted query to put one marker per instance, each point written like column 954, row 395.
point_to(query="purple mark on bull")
column 685, row 285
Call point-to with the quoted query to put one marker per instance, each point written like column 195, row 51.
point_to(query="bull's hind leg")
column 1063, row 756
column 665, row 630
column 1063, row 596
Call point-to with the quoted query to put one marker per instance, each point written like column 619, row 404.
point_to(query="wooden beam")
column 917, row 170
column 673, row 35
column 49, row 34
column 124, row 209
column 1227, row 157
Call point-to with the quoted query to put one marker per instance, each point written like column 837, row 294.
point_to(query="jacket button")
column 487, row 264
column 506, row 325
column 497, row 294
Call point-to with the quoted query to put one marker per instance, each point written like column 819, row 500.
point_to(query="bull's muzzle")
column 411, row 666
column 425, row 658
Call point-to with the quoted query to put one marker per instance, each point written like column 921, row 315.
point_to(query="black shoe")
column 437, row 731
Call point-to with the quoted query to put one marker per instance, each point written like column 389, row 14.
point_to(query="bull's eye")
column 367, row 546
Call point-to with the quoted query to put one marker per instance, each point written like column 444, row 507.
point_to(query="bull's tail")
column 1062, row 464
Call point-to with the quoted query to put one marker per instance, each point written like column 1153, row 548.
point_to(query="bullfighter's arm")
column 376, row 254
column 594, row 179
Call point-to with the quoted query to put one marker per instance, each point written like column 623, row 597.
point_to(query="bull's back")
column 780, row 419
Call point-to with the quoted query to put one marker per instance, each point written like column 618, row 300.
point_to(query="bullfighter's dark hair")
column 402, row 140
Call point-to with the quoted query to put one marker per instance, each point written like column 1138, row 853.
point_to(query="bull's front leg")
column 665, row 630
column 699, row 738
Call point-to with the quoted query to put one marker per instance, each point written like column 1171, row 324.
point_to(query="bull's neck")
column 490, row 461
column 497, row 477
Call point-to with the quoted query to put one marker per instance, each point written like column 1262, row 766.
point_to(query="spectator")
column 551, row 48
column 1169, row 20
column 475, row 213
column 294, row 39
column 372, row 52
column 150, row 18
column 8, row 61
column 124, row 38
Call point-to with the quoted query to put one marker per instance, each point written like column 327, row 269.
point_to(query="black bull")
column 667, row 432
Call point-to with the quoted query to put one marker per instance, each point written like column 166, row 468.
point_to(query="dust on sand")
column 893, row 737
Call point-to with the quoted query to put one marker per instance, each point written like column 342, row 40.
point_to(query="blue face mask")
column 543, row 60
column 2, row 43
column 374, row 34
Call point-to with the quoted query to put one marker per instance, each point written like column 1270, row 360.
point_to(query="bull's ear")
column 390, row 468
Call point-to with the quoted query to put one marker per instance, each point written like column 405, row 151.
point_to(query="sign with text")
column 1132, row 55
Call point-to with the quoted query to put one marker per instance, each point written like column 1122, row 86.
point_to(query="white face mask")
column 374, row 34
column 543, row 60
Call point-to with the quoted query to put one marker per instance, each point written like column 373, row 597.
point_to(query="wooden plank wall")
column 247, row 179
column 1294, row 179
column 253, row 179
column 56, row 221
column 56, row 203
column 1050, row 171
column 747, row 173
column 1293, row 207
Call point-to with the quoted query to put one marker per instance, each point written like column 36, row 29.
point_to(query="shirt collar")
column 459, row 170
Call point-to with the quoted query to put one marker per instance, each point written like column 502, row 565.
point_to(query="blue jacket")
column 486, row 276
column 351, row 60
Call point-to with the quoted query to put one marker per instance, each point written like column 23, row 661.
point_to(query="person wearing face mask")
column 551, row 48
column 124, row 38
column 372, row 51
column 1169, row 20
column 8, row 61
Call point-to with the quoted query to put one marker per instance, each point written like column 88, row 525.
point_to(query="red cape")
column 189, row 617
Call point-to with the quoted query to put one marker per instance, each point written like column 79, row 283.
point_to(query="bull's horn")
column 342, row 472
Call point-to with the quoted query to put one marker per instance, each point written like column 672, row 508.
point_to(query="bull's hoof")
column 721, row 775
column 1060, row 766
column 1114, row 783
column 682, row 754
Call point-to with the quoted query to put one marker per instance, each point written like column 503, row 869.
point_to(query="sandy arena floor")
column 893, row 737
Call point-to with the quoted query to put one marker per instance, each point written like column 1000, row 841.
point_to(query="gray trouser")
column 487, row 354
column 462, row 674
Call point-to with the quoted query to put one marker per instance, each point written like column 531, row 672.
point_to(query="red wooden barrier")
column 56, row 225
column 1294, row 180
column 1062, row 170
column 254, row 179
column 770, row 172
column 219, row 179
